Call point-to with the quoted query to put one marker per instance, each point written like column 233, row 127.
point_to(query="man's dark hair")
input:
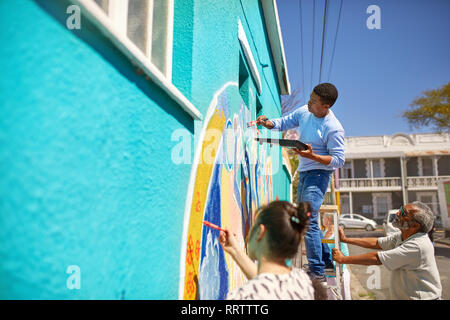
column 327, row 92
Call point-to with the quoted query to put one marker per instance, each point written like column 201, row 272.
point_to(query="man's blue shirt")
column 325, row 135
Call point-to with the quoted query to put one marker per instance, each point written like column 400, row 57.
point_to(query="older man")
column 409, row 254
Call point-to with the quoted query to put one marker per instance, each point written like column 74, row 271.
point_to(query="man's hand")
column 311, row 155
column 263, row 121
column 305, row 153
column 342, row 237
column 337, row 255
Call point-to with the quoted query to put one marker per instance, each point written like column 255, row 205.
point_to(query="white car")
column 387, row 225
column 356, row 221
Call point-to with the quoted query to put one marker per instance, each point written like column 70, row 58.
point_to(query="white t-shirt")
column 294, row 285
column 414, row 271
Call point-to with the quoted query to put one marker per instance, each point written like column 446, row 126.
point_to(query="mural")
column 231, row 179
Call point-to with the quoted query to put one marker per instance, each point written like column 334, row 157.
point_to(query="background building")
column 123, row 124
column 384, row 172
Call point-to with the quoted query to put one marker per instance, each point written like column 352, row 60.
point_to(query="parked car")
column 380, row 220
column 357, row 221
column 387, row 224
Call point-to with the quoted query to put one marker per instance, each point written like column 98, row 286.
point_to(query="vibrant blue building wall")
column 86, row 172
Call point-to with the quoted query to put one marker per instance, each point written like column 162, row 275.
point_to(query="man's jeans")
column 312, row 187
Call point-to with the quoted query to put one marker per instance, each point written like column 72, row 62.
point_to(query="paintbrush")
column 212, row 226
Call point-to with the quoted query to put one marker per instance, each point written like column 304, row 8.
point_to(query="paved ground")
column 365, row 288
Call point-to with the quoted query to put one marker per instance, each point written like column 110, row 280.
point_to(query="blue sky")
column 378, row 73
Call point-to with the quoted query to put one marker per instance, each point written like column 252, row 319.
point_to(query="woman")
column 272, row 241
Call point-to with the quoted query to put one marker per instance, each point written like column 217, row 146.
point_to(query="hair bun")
column 300, row 216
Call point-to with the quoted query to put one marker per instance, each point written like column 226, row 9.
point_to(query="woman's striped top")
column 295, row 285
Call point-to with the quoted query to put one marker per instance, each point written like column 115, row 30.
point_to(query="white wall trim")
column 249, row 56
column 272, row 22
column 111, row 31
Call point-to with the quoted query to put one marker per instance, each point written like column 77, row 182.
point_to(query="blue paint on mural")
column 213, row 278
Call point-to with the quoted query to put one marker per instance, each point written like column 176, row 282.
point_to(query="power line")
column 312, row 53
column 323, row 38
column 301, row 49
column 335, row 40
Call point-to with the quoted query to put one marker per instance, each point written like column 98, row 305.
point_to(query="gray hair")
column 424, row 216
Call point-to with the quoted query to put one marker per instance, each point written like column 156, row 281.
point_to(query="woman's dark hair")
column 285, row 223
column 327, row 92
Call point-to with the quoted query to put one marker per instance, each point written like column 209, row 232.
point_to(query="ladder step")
column 330, row 273
column 329, row 208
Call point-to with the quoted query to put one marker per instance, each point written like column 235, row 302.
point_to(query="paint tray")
column 288, row 143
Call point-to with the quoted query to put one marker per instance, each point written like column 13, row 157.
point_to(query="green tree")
column 432, row 109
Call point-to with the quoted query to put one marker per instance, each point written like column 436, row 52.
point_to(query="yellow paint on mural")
column 204, row 171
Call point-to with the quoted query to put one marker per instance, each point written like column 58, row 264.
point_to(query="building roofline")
column 398, row 134
column 276, row 44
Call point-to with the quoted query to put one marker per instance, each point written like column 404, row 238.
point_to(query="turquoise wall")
column 87, row 176
column 215, row 58
column 85, row 147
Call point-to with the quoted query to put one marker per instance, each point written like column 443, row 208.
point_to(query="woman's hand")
column 228, row 242
column 230, row 245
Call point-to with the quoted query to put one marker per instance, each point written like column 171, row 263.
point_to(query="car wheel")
column 342, row 226
column 369, row 227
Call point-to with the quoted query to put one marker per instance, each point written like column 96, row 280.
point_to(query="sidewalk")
column 439, row 237
column 443, row 241
column 357, row 291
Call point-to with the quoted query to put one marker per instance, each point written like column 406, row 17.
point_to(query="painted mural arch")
column 226, row 190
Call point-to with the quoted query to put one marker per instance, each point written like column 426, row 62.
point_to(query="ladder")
column 336, row 290
column 297, row 261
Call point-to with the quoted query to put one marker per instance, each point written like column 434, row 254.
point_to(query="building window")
column 427, row 167
column 160, row 33
column 430, row 199
column 375, row 168
column 382, row 203
column 103, row 4
column 148, row 24
column 376, row 165
column 244, row 82
column 345, row 204
column 346, row 170
column 138, row 19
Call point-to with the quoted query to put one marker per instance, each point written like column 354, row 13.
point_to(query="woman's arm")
column 230, row 245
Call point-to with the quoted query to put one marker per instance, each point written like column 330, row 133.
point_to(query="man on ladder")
column 321, row 130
